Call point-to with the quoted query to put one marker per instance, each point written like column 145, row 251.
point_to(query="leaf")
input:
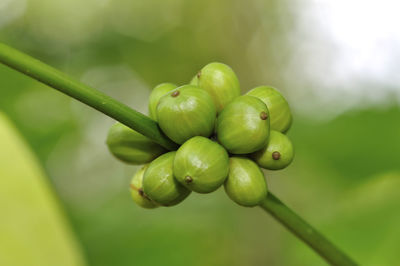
column 364, row 223
column 33, row 229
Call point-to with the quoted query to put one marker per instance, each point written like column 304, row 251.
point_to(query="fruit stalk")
column 148, row 127
column 305, row 232
column 83, row 93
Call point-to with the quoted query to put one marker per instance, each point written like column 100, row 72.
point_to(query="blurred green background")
column 337, row 66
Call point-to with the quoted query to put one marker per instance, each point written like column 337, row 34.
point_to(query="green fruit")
column 220, row 82
column 201, row 165
column 186, row 112
column 194, row 81
column 159, row 183
column 243, row 125
column 155, row 96
column 130, row 146
column 278, row 153
column 136, row 188
column 281, row 117
column 246, row 183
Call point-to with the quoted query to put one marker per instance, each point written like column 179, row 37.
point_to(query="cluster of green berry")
column 225, row 138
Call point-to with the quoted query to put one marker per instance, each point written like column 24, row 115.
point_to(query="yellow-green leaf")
column 33, row 229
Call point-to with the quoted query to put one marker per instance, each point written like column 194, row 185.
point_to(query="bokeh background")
column 336, row 62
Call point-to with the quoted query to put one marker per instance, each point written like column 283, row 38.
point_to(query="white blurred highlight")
column 346, row 54
column 11, row 10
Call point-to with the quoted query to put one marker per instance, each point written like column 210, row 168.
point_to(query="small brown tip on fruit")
column 188, row 179
column 175, row 93
column 198, row 74
column 140, row 191
column 276, row 155
column 263, row 115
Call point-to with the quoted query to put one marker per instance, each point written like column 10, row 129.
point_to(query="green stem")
column 146, row 126
column 81, row 92
column 305, row 232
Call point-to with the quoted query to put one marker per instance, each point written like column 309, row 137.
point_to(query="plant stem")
column 81, row 92
column 305, row 232
column 148, row 127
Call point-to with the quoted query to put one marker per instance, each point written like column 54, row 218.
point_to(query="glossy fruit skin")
column 155, row 96
column 246, row 183
column 278, row 153
column 281, row 117
column 159, row 183
column 130, row 146
column 243, row 125
column 201, row 165
column 220, row 82
column 137, row 193
column 186, row 112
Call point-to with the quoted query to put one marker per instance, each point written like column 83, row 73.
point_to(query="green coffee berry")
column 278, row 153
column 136, row 188
column 201, row 165
column 130, row 146
column 220, row 82
column 246, row 183
column 155, row 96
column 194, row 81
column 281, row 117
column 243, row 125
column 159, row 183
column 186, row 112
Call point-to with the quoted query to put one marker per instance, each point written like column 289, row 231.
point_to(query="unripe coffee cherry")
column 156, row 95
column 278, row 153
column 130, row 146
column 281, row 117
column 201, row 165
column 137, row 193
column 159, row 183
column 243, row 125
column 246, row 183
column 186, row 112
column 220, row 82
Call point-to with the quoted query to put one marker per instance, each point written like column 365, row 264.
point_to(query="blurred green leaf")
column 33, row 229
column 363, row 222
column 357, row 144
